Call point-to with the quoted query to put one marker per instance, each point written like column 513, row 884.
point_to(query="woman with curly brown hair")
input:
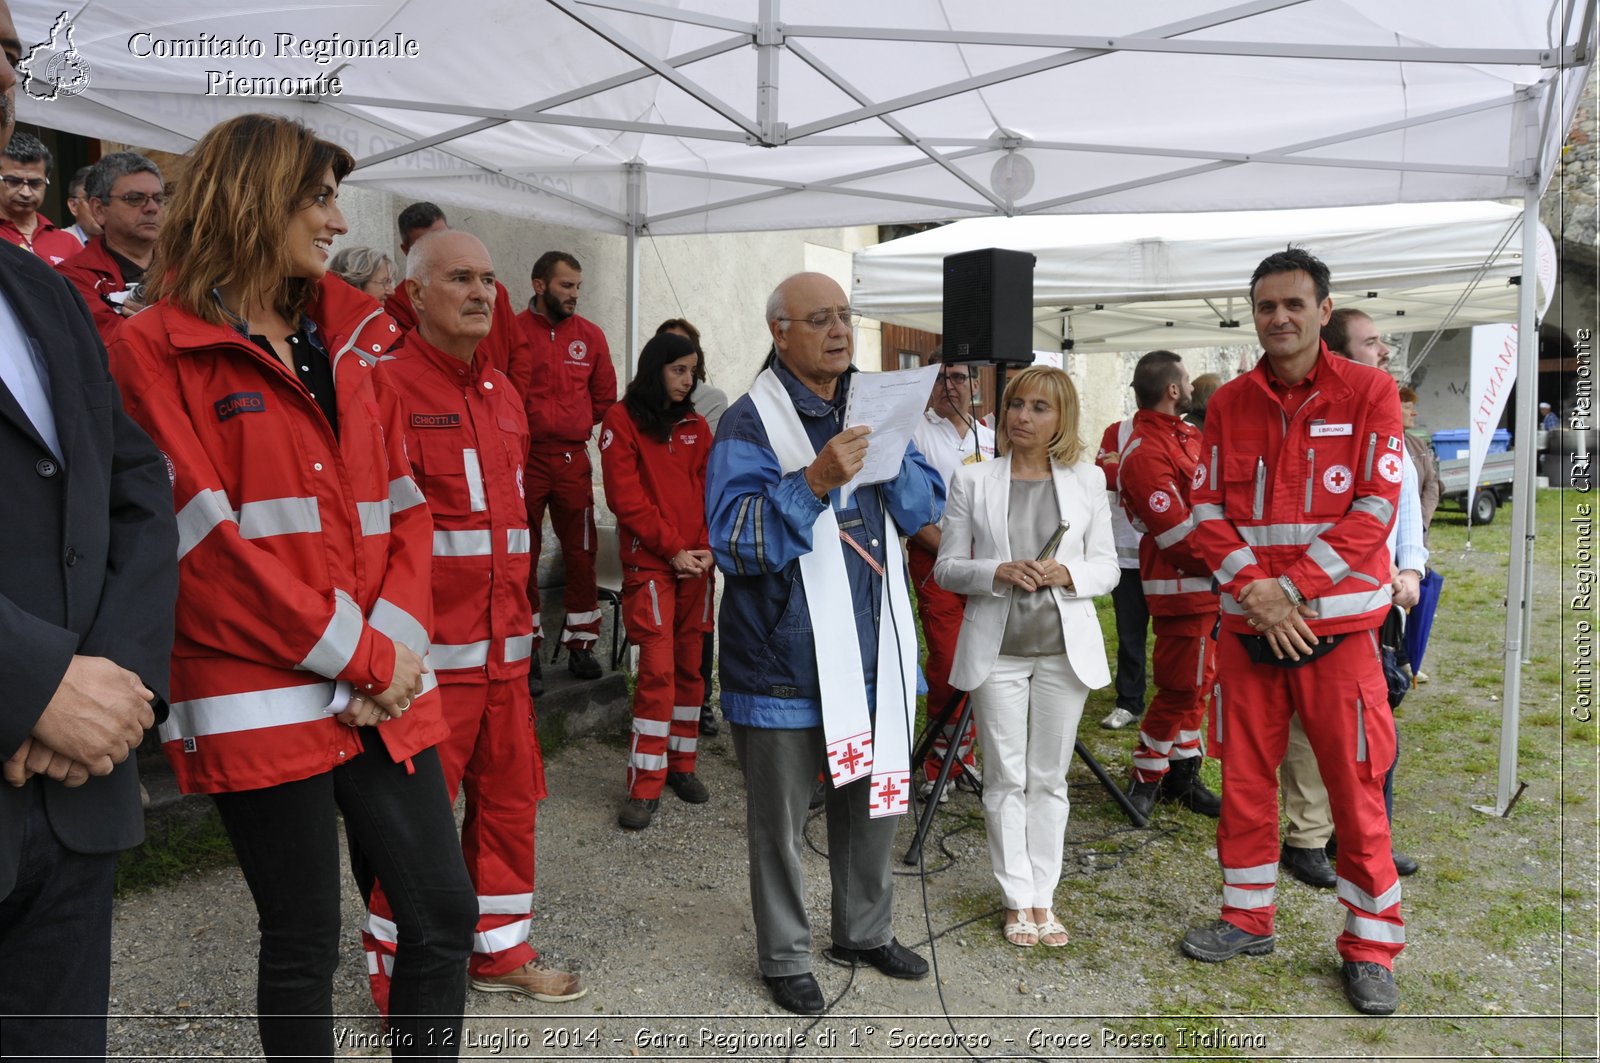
column 300, row 688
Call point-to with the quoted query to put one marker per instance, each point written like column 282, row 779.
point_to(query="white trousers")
column 1027, row 713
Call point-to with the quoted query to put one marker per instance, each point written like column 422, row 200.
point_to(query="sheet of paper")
column 891, row 404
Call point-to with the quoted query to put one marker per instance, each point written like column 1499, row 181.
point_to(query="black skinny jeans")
column 287, row 841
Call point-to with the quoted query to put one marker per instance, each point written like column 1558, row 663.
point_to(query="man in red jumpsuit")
column 1297, row 485
column 573, row 385
column 466, row 438
column 1155, row 474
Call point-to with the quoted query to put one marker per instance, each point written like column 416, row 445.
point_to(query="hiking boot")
column 1119, row 718
column 637, row 812
column 688, row 787
column 535, row 677
column 534, row 979
column 1221, row 940
column 1370, row 987
column 1142, row 796
column 582, row 663
column 1182, row 786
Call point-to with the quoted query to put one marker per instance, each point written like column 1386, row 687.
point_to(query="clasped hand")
column 1270, row 612
column 1033, row 575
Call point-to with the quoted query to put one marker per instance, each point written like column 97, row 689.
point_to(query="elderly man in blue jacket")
column 814, row 576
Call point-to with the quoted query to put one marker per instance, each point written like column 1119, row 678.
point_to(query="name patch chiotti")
column 239, row 402
column 435, row 420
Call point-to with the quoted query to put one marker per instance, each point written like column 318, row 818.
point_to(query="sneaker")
column 637, row 813
column 1420, row 676
column 925, row 791
column 1221, row 940
column 582, row 663
column 1370, row 987
column 709, row 727
column 534, row 979
column 1119, row 718
column 535, row 677
column 688, row 787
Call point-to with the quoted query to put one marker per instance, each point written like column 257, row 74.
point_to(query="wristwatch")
column 1295, row 597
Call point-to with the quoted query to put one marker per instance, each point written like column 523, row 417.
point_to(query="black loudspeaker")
column 988, row 307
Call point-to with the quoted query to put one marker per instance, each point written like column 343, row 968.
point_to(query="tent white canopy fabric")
column 1137, row 282
column 724, row 115
column 634, row 116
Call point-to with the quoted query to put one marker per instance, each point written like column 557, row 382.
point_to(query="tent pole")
column 635, row 224
column 1522, row 503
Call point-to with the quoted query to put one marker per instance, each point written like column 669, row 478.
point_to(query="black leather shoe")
column 1309, row 866
column 1370, row 987
column 798, row 993
column 535, row 677
column 688, row 787
column 709, row 727
column 1182, row 786
column 893, row 959
column 582, row 663
column 1142, row 796
column 1403, row 864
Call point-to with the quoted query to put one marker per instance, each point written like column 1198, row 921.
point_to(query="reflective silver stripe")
column 587, row 617
column 505, row 904
column 374, row 517
column 1235, row 563
column 1364, row 578
column 1372, row 446
column 1207, row 511
column 450, row 656
column 1214, row 485
column 1328, row 560
column 1199, row 677
column 199, row 516
column 681, row 744
column 647, row 761
column 1216, row 707
column 250, row 710
column 279, row 516
column 1176, row 534
column 1361, row 732
column 1374, row 929
column 1259, row 875
column 1234, row 897
column 1151, row 763
column 1186, row 585
column 1381, row 508
column 469, row 464
column 1128, row 553
column 382, row 929
column 518, row 648
column 1261, row 489
column 1357, row 897
column 654, row 728
column 569, row 635
column 1311, row 475
column 332, row 653
column 501, row 938
column 404, row 493
column 735, row 531
column 402, row 626
column 1281, row 534
column 462, row 543
column 686, row 712
column 1336, row 605
column 519, row 541
column 655, row 604
column 1152, row 744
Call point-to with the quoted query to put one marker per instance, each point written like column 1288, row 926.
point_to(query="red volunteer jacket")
column 574, row 383
column 467, row 439
column 96, row 275
column 505, row 345
column 657, row 490
column 1156, row 471
column 53, row 245
column 1309, row 496
column 300, row 556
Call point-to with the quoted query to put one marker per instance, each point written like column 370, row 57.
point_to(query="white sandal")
column 1052, row 925
column 1023, row 927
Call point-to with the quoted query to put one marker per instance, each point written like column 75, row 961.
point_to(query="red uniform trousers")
column 1344, row 707
column 940, row 613
column 560, row 477
column 1185, row 665
column 493, row 750
column 667, row 618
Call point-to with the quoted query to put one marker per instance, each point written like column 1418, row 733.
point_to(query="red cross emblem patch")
column 1338, row 479
column 1389, row 468
column 1160, row 502
column 1199, row 477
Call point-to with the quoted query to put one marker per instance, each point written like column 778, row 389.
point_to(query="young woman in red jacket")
column 653, row 451
column 300, row 684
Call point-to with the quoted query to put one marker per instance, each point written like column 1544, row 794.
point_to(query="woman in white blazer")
column 1030, row 648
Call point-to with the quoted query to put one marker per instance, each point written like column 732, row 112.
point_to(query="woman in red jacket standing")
column 653, row 451
column 300, row 687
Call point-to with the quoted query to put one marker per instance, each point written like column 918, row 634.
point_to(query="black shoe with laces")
column 1142, row 796
column 637, row 812
column 582, row 663
column 1370, row 987
column 1221, row 940
column 688, row 787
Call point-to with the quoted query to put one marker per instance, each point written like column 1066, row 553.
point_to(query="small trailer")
column 1494, row 484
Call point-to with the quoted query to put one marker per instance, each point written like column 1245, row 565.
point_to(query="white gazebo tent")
column 1121, row 282
column 633, row 116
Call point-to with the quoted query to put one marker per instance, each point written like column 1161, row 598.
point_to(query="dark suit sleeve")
column 35, row 658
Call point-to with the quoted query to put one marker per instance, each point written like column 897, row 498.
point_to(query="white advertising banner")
column 1494, row 370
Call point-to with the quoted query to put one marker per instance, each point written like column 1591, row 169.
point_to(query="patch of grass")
column 193, row 844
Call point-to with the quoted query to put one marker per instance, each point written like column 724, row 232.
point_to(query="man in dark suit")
column 88, row 578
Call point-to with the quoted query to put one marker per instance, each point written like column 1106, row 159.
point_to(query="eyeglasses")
column 137, row 200
column 824, row 319
column 954, row 378
column 35, row 183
